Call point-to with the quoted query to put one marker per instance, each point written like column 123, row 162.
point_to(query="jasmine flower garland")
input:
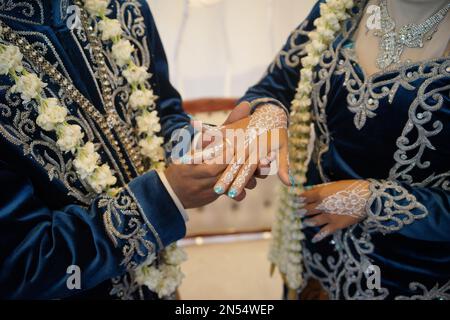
column 53, row 117
column 163, row 275
column 286, row 246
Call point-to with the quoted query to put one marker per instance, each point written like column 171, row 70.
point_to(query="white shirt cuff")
column 173, row 195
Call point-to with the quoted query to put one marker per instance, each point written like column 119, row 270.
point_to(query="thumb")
column 240, row 112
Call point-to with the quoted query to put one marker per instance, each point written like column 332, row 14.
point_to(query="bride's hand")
column 264, row 138
column 334, row 206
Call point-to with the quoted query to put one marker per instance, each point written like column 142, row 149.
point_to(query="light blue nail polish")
column 302, row 212
column 186, row 159
column 232, row 193
column 218, row 189
column 308, row 187
column 292, row 181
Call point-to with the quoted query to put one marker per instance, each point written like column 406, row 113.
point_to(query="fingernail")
column 302, row 212
column 308, row 187
column 232, row 193
column 320, row 236
column 218, row 189
column 309, row 223
column 186, row 159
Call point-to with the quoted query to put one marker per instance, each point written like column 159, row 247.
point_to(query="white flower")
column 121, row 52
column 10, row 60
column 327, row 21
column 151, row 148
column 142, row 99
column 149, row 276
column 110, row 28
column 163, row 280
column 304, row 88
column 158, row 166
column 96, row 7
column 318, row 46
column 29, row 86
column 332, row 5
column 148, row 122
column 306, row 74
column 303, row 102
column 69, row 137
column 348, row 4
column 86, row 160
column 310, row 60
column 326, row 35
column 101, row 178
column 171, row 280
column 174, row 255
column 135, row 74
column 50, row 114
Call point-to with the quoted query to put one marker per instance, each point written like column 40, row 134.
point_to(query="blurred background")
column 216, row 50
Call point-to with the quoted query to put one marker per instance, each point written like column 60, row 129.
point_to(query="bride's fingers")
column 242, row 178
column 243, row 150
column 311, row 209
column 316, row 221
column 264, row 168
column 323, row 233
column 228, row 176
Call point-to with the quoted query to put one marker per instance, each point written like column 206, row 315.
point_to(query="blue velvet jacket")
column 392, row 128
column 49, row 219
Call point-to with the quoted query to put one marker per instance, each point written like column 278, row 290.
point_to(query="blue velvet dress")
column 393, row 128
column 49, row 219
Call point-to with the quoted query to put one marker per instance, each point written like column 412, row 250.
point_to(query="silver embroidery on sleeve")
column 342, row 272
column 423, row 126
column 435, row 293
column 128, row 227
column 390, row 207
column 291, row 58
column 30, row 11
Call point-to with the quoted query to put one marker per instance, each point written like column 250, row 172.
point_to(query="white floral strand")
column 53, row 117
column 163, row 275
column 142, row 99
column 286, row 247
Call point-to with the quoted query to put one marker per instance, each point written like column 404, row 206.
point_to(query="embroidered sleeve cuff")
column 256, row 103
column 391, row 207
column 142, row 219
column 159, row 208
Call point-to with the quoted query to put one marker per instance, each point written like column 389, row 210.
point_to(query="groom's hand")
column 194, row 184
column 240, row 112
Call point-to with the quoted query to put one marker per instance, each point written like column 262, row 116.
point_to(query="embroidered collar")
column 36, row 12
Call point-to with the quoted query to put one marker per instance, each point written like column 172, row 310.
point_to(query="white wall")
column 223, row 47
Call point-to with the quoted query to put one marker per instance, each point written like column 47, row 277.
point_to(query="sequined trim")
column 30, row 11
column 435, row 293
column 128, row 227
column 390, row 207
